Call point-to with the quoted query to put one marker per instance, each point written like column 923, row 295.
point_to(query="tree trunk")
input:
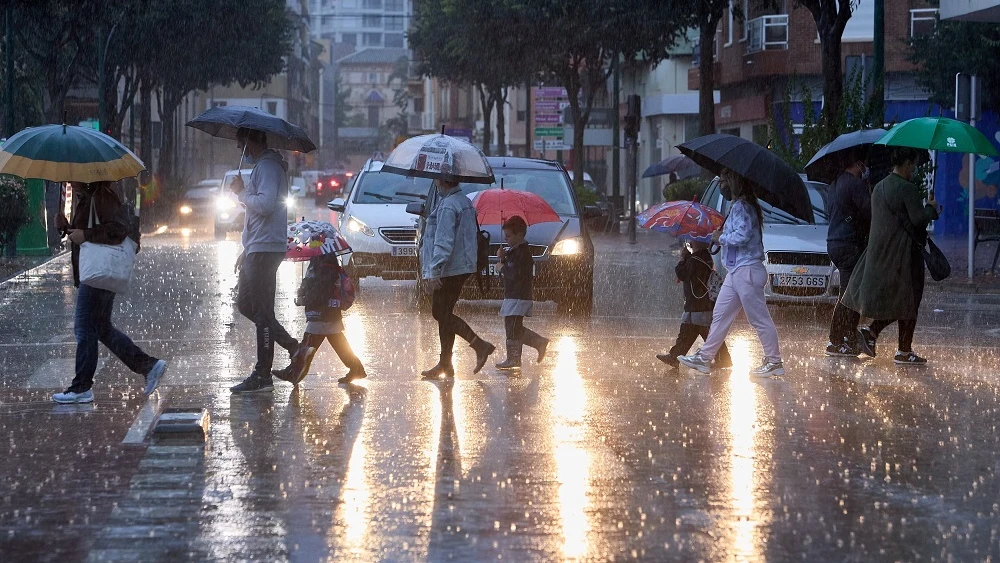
column 500, row 94
column 706, row 76
column 486, row 101
column 146, row 122
column 833, row 86
column 167, row 111
column 572, row 82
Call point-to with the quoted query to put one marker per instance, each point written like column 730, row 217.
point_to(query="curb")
column 33, row 268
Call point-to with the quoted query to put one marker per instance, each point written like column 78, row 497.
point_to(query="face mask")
column 726, row 192
column 866, row 173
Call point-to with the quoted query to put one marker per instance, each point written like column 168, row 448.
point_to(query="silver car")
column 798, row 266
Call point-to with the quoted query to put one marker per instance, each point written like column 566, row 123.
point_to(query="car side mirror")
column 337, row 204
column 591, row 212
column 295, row 189
column 415, row 208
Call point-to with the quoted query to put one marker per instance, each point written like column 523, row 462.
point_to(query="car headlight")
column 567, row 247
column 185, row 210
column 223, row 203
column 356, row 226
column 290, row 202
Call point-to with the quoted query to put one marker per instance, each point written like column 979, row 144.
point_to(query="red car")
column 329, row 186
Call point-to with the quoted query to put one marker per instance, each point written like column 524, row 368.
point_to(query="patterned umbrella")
column 439, row 156
column 687, row 220
column 66, row 153
column 496, row 205
column 309, row 239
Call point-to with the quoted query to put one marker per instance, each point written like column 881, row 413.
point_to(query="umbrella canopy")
column 678, row 164
column 827, row 163
column 494, row 206
column 439, row 156
column 773, row 180
column 225, row 121
column 687, row 220
column 66, row 153
column 939, row 133
column 309, row 239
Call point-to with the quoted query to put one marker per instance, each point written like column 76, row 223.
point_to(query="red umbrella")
column 496, row 205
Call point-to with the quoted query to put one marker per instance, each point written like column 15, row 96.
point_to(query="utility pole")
column 616, row 133
column 632, row 118
column 878, row 68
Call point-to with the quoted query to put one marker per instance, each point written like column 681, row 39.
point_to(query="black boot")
column 483, row 350
column 442, row 369
column 539, row 343
column 513, row 360
column 295, row 371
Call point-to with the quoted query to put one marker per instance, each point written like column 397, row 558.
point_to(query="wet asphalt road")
column 600, row 453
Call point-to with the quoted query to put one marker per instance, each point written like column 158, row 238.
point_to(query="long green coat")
column 888, row 281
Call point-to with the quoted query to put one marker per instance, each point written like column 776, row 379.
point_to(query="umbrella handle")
column 242, row 156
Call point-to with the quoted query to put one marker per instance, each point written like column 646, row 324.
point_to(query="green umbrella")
column 939, row 133
column 66, row 153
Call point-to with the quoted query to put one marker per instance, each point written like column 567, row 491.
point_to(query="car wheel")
column 220, row 232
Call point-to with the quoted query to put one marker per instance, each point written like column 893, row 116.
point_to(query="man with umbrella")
column 265, row 238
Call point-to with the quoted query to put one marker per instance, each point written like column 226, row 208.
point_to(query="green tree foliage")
column 831, row 17
column 955, row 47
column 14, row 211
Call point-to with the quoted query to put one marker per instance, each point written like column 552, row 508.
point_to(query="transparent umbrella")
column 442, row 157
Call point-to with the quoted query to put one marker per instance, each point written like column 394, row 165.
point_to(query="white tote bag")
column 106, row 266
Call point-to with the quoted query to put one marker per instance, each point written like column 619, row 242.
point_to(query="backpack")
column 482, row 253
column 343, row 292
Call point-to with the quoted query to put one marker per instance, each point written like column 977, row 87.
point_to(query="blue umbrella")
column 827, row 163
column 679, row 164
column 225, row 121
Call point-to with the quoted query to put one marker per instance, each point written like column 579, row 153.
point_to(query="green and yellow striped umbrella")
column 66, row 153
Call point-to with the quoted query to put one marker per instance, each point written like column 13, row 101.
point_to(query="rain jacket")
column 849, row 208
column 694, row 270
column 112, row 213
column 448, row 247
column 317, row 289
column 888, row 281
column 741, row 240
column 266, row 226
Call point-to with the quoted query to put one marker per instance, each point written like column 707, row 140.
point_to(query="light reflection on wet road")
column 600, row 453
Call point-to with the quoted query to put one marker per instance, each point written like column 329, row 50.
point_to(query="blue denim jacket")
column 741, row 237
column 448, row 246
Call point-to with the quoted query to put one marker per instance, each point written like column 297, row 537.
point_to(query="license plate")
column 791, row 280
column 404, row 251
column 494, row 270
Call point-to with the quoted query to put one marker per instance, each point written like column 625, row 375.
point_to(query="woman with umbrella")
column 743, row 288
column 888, row 282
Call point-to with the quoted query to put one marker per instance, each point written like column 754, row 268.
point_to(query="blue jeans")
column 92, row 324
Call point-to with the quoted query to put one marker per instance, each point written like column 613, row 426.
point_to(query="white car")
column 798, row 266
column 375, row 223
column 230, row 214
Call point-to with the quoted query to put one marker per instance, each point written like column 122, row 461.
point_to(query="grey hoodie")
column 266, row 226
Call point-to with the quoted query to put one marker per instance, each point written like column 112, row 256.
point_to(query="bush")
column 689, row 189
column 14, row 211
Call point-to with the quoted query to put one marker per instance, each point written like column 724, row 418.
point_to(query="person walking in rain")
column 848, row 207
column 518, row 270
column 448, row 257
column 321, row 293
column 265, row 236
column 92, row 322
column 693, row 271
column 743, row 288
column 888, row 282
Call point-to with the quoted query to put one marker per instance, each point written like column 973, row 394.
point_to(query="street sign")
column 538, row 144
column 557, row 145
column 548, row 118
column 548, row 131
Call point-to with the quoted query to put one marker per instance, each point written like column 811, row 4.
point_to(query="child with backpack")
column 325, row 292
column 517, row 269
column 694, row 270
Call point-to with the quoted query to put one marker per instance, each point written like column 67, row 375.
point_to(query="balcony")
column 767, row 33
column 923, row 21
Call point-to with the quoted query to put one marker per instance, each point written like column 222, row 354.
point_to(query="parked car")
column 563, row 252
column 590, row 194
column 799, row 269
column 374, row 221
column 329, row 186
column 198, row 202
column 230, row 214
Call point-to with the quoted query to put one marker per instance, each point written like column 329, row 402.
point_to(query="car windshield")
column 817, row 196
column 199, row 193
column 385, row 187
column 550, row 185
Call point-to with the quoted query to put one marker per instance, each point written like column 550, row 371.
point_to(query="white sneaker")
column 69, row 397
column 769, row 369
column 154, row 376
column 696, row 362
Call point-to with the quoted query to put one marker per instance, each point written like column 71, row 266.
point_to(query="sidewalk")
column 955, row 248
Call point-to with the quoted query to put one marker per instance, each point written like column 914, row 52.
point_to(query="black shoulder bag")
column 935, row 260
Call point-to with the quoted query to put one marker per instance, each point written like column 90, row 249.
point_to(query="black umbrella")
column 224, row 121
column 774, row 181
column 678, row 164
column 828, row 162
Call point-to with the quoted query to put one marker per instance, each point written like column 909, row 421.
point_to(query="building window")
column 373, row 77
column 521, row 115
column 418, row 105
column 371, row 21
column 394, row 23
column 373, row 120
column 768, row 33
column 349, row 38
column 394, row 40
column 371, row 4
column 393, row 5
column 327, row 21
column 272, row 108
column 923, row 22
column 351, row 22
column 372, row 39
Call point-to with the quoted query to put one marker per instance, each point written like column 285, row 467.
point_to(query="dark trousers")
column 339, row 344
column 517, row 331
column 906, row 329
column 255, row 300
column 92, row 324
column 686, row 338
column 442, row 308
column 844, row 325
